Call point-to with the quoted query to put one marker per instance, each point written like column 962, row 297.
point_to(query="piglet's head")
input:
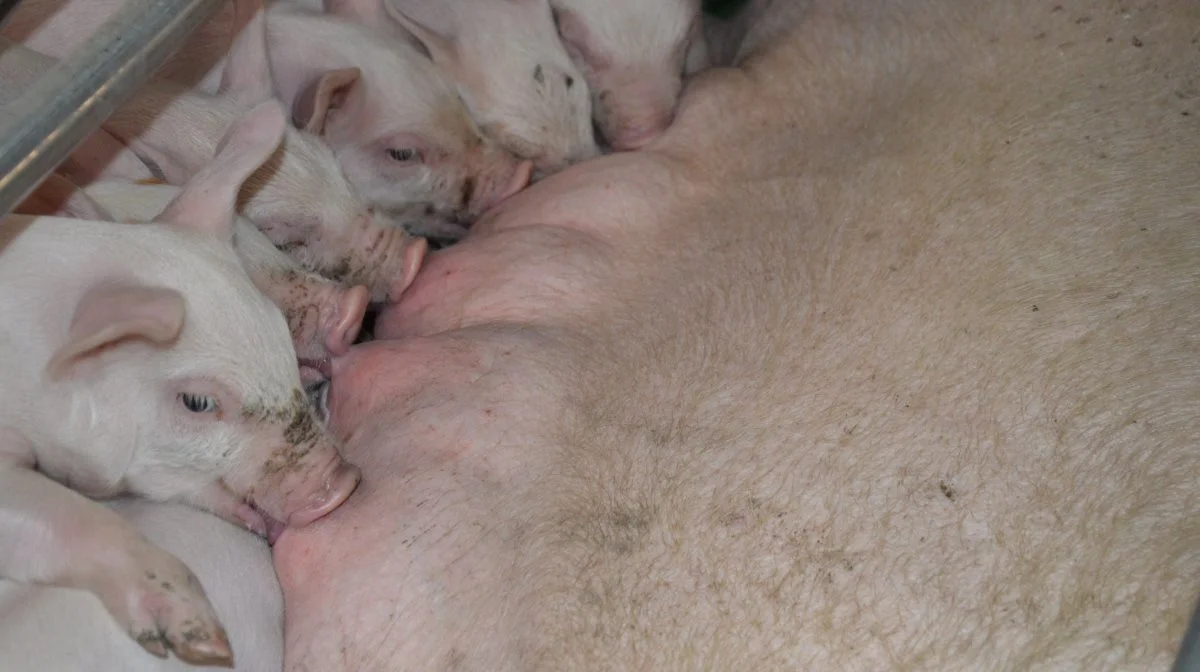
column 199, row 365
column 634, row 61
column 405, row 140
column 300, row 197
column 516, row 79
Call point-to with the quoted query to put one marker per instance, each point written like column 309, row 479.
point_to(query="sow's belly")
column 457, row 418
column 881, row 389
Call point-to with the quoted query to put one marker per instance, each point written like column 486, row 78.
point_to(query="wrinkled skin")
column 908, row 381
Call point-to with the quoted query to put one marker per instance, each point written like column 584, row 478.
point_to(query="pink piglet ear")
column 247, row 70
column 208, row 202
column 442, row 49
column 577, row 39
column 311, row 109
column 113, row 312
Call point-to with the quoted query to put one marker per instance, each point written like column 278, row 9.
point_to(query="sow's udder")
column 450, row 420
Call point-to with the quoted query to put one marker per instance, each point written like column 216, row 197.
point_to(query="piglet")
column 509, row 67
column 634, row 55
column 395, row 123
column 301, row 198
column 142, row 360
column 324, row 316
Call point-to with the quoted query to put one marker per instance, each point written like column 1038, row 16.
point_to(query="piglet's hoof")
column 165, row 609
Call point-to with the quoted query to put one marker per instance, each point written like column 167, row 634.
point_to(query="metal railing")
column 43, row 126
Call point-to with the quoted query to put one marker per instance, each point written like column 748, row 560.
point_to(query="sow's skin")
column 907, row 381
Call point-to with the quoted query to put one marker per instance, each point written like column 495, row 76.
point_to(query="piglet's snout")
column 503, row 187
column 300, row 487
column 335, row 488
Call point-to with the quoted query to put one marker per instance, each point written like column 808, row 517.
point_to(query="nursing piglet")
column 324, row 316
column 634, row 55
column 396, row 123
column 393, row 120
column 142, row 360
column 300, row 198
column 232, row 564
column 510, row 68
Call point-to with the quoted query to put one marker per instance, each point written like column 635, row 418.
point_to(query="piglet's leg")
column 54, row 536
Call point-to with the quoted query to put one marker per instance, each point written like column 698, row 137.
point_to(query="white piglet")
column 324, row 316
column 301, row 198
column 635, row 55
column 142, row 360
column 509, row 66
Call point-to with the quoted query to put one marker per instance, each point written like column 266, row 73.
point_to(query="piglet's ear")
column 114, row 312
column 441, row 48
column 577, row 39
column 247, row 70
column 208, row 202
column 311, row 109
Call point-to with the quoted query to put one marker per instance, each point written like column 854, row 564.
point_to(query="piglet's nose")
column 338, row 488
column 520, row 180
column 352, row 307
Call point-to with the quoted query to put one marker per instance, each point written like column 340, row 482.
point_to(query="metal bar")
column 1188, row 659
column 41, row 128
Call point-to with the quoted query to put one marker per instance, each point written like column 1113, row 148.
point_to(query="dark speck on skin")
column 1035, row 308
column 947, row 491
column 538, row 75
column 152, row 642
column 196, row 634
column 570, row 81
column 1137, row 42
column 339, row 272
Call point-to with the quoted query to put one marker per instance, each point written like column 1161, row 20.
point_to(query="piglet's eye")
column 198, row 403
column 404, row 155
